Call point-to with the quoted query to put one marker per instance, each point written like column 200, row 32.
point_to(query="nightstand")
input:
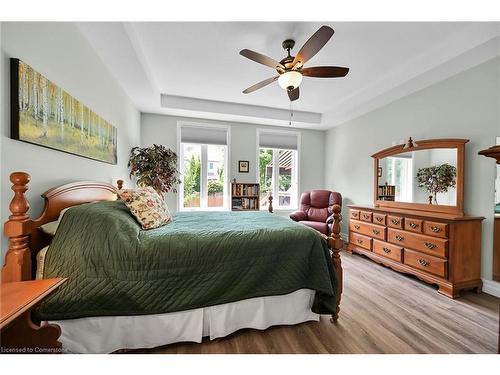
column 18, row 332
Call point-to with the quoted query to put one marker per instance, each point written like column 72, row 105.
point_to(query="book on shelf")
column 386, row 192
column 245, row 189
column 244, row 196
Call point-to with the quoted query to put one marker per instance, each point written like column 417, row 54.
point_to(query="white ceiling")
column 198, row 69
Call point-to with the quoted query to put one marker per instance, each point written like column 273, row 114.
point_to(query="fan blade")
column 293, row 94
column 260, row 85
column 325, row 71
column 313, row 45
column 260, row 58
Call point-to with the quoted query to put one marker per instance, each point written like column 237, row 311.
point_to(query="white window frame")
column 407, row 178
column 294, row 200
column 204, row 169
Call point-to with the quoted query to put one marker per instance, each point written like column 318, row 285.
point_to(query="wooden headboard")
column 25, row 236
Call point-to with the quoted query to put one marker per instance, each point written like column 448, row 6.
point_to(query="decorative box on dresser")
column 412, row 233
column 441, row 249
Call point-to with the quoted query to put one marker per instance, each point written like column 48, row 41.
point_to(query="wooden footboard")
column 336, row 244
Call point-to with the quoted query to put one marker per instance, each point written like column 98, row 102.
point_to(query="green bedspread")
column 200, row 259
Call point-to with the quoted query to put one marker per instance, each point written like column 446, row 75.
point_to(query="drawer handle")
column 399, row 238
column 359, row 241
column 413, row 225
column 435, row 229
column 386, row 250
column 395, row 221
column 366, row 216
column 376, row 231
column 380, row 219
column 423, row 262
column 357, row 226
column 430, row 245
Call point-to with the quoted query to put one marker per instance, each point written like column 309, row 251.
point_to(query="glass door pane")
column 285, row 163
column 265, row 176
column 191, row 171
column 216, row 169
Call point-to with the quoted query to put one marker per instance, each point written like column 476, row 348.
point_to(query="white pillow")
column 51, row 226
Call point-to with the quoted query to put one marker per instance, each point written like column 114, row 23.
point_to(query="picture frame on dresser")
column 437, row 243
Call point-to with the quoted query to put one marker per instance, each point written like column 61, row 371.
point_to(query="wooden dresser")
column 437, row 248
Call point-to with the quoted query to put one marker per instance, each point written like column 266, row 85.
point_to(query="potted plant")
column 154, row 166
column 437, row 179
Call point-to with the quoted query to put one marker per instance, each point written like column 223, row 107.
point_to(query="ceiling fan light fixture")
column 290, row 80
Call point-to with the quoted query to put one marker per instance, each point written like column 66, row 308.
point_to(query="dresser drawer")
column 368, row 229
column 436, row 229
column 420, row 242
column 379, row 218
column 365, row 216
column 425, row 262
column 354, row 214
column 388, row 250
column 413, row 225
column 395, row 221
column 360, row 240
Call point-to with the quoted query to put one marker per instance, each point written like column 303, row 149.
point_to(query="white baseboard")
column 491, row 287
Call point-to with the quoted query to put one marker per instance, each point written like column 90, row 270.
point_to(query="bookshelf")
column 386, row 192
column 245, row 197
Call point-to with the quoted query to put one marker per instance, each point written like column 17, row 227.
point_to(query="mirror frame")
column 425, row 144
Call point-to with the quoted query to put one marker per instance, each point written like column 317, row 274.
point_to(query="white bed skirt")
column 105, row 334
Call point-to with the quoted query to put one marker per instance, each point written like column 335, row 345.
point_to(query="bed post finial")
column 17, row 265
column 119, row 184
column 336, row 244
column 270, row 205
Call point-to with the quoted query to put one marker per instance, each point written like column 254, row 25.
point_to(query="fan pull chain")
column 291, row 115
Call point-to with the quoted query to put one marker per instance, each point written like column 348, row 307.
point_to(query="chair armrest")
column 298, row 216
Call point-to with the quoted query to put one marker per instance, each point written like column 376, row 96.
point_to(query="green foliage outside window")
column 285, row 182
column 192, row 176
column 265, row 158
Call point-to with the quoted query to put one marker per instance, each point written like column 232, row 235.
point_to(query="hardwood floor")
column 381, row 312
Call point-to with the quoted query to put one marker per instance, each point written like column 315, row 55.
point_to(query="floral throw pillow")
column 147, row 206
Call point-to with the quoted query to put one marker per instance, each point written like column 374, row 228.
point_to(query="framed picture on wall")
column 243, row 166
column 43, row 114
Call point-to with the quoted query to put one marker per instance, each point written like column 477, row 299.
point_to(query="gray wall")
column 464, row 106
column 61, row 53
column 162, row 129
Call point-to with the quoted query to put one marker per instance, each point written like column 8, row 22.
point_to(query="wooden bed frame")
column 26, row 238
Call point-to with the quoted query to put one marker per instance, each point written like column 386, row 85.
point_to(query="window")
column 278, row 169
column 203, row 155
column 399, row 173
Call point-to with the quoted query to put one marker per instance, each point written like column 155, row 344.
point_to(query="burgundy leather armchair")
column 316, row 209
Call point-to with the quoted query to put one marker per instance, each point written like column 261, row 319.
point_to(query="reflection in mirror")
column 423, row 176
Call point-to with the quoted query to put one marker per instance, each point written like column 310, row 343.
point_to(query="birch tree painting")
column 46, row 115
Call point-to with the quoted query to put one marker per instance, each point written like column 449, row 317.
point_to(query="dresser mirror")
column 421, row 175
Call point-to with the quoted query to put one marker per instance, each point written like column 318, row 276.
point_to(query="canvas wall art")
column 44, row 114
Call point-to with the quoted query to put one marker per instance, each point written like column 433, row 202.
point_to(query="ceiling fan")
column 291, row 68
